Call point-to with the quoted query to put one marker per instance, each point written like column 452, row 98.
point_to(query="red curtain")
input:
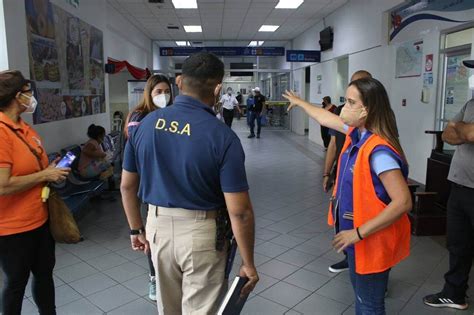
column 137, row 73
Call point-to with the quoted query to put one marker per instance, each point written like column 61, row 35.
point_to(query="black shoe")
column 251, row 136
column 440, row 300
column 339, row 267
column 258, row 136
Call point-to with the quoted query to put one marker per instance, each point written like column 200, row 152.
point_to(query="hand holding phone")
column 66, row 161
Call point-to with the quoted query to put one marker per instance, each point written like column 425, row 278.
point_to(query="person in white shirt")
column 229, row 102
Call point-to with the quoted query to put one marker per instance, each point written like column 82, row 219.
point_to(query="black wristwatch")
column 137, row 232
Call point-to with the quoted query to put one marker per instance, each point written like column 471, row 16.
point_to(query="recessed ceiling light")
column 193, row 28
column 183, row 43
column 185, row 4
column 256, row 43
column 268, row 28
column 289, row 4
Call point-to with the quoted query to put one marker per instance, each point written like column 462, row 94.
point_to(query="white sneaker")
column 152, row 289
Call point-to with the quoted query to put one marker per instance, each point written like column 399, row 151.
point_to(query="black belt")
column 462, row 186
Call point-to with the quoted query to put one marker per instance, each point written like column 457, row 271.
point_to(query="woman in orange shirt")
column 26, row 244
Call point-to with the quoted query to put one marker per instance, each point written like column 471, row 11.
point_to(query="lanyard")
column 33, row 151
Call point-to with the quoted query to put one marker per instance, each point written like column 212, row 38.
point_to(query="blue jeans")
column 255, row 116
column 369, row 289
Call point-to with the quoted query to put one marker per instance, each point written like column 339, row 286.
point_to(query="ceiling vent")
column 156, row 1
column 172, row 27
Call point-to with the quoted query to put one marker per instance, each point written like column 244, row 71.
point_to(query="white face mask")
column 31, row 107
column 471, row 82
column 161, row 100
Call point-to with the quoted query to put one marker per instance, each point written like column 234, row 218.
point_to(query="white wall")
column 297, row 115
column 121, row 41
column 360, row 32
column 3, row 41
column 328, row 71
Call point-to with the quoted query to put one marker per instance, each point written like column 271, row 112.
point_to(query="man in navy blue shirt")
column 187, row 165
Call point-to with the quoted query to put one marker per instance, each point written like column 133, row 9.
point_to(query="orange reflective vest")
column 385, row 248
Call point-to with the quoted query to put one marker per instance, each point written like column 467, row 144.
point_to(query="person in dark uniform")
column 188, row 167
column 256, row 113
column 327, row 105
column 238, row 97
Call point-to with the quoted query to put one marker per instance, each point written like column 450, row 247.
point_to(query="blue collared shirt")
column 186, row 158
column 382, row 159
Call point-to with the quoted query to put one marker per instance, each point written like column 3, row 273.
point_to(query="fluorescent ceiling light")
column 289, row 4
column 185, row 4
column 183, row 43
column 256, row 43
column 193, row 28
column 268, row 28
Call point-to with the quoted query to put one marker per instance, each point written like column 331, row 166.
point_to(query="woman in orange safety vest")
column 371, row 198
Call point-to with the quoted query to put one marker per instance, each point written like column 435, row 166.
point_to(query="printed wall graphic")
column 409, row 59
column 66, row 63
column 408, row 19
column 429, row 63
column 428, row 78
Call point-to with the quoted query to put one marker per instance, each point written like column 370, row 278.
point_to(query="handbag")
column 61, row 222
column 62, row 225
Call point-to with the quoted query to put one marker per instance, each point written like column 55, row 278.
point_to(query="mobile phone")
column 67, row 160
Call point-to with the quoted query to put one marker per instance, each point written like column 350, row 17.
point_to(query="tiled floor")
column 104, row 276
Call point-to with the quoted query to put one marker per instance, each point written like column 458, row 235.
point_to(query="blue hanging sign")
column 303, row 56
column 224, row 51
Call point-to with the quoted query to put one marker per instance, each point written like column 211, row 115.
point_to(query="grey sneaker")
column 152, row 289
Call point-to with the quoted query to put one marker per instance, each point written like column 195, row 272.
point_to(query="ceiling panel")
column 225, row 19
column 210, row 1
column 203, row 7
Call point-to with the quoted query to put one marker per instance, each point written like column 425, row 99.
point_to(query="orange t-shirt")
column 23, row 211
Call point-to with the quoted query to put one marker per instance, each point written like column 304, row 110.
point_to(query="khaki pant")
column 189, row 270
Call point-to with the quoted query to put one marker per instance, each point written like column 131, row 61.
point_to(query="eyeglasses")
column 28, row 91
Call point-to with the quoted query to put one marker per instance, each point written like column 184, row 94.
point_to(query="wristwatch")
column 137, row 232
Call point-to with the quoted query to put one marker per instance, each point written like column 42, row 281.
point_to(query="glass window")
column 456, row 91
column 459, row 38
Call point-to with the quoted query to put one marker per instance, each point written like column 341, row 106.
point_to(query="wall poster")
column 408, row 61
column 66, row 63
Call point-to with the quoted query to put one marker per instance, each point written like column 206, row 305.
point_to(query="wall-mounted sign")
column 303, row 56
column 409, row 59
column 224, row 51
